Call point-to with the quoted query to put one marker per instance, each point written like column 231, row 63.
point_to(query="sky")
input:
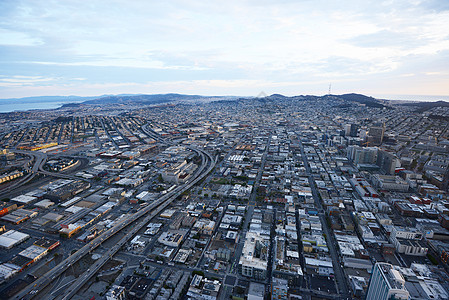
column 241, row 47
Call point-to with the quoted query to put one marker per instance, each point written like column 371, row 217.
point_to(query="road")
column 331, row 242
column 150, row 211
column 227, row 290
column 39, row 160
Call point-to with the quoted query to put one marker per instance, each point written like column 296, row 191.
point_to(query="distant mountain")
column 143, row 99
column 362, row 99
column 424, row 106
column 155, row 99
column 150, row 99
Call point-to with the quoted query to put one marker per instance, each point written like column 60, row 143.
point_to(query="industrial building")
column 11, row 238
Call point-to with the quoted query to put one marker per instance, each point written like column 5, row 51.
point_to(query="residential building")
column 254, row 259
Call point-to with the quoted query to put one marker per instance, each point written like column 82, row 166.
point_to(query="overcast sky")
column 228, row 47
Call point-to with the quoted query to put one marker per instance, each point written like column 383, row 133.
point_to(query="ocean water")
column 9, row 107
column 425, row 98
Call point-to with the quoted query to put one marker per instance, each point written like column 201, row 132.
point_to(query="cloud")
column 387, row 38
column 17, row 81
column 108, row 42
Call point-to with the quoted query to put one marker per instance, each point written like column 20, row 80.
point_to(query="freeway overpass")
column 148, row 212
column 39, row 161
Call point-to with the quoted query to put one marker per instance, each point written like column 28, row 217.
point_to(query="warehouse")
column 68, row 190
column 19, row 216
column 7, row 271
column 71, row 201
column 53, row 217
column 34, row 253
column 47, row 243
column 6, row 208
column 44, row 203
column 11, row 238
column 49, row 217
column 24, row 199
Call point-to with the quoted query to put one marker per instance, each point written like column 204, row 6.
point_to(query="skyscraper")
column 386, row 283
column 376, row 134
column 351, row 130
column 362, row 155
column 388, row 161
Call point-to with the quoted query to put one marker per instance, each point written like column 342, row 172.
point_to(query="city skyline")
column 374, row 48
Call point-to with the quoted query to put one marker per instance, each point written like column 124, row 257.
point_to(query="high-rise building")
column 351, row 130
column 376, row 134
column 388, row 162
column 361, row 155
column 446, row 180
column 386, row 283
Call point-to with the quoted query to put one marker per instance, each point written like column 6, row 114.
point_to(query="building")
column 408, row 241
column 387, row 162
column 172, row 238
column 202, row 288
column 256, row 291
column 386, row 283
column 11, row 238
column 223, row 254
column 351, row 130
column 394, row 282
column 254, row 259
column 19, row 216
column 279, row 289
column 390, row 183
column 66, row 191
column 362, row 155
column 376, row 134
column 116, row 292
column 179, row 173
column 6, row 155
column 205, row 226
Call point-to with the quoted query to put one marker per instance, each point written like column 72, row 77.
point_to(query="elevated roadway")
column 39, row 160
column 147, row 213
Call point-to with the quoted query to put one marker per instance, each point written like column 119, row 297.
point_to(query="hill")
column 424, row 106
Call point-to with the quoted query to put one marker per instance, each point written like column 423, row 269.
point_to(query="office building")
column 360, row 155
column 388, row 162
column 376, row 134
column 351, row 130
column 386, row 283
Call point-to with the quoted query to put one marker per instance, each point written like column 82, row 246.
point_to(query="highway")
column 39, row 160
column 148, row 212
column 158, row 206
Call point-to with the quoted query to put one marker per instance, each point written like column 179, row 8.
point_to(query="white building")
column 254, row 259
column 386, row 283
column 408, row 241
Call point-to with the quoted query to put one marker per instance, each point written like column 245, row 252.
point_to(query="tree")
column 201, row 273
